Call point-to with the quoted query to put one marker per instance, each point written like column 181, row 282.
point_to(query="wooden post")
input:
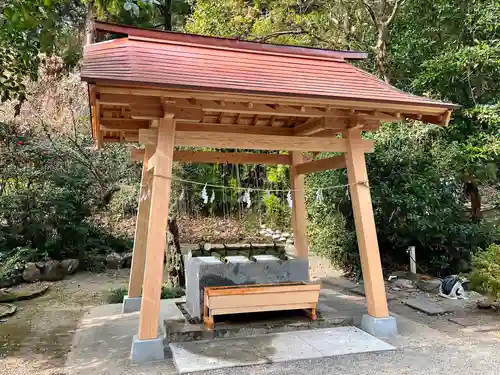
column 365, row 227
column 158, row 217
column 299, row 214
column 141, row 229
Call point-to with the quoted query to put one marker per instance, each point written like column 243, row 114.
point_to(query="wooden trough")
column 239, row 299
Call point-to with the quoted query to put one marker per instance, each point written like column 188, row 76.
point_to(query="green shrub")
column 485, row 275
column 277, row 212
column 124, row 201
column 116, row 295
column 417, row 199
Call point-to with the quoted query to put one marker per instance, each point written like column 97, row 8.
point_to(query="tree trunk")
column 89, row 23
column 472, row 191
column 382, row 15
column 174, row 257
column 381, row 51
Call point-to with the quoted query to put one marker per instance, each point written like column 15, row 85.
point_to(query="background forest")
column 434, row 188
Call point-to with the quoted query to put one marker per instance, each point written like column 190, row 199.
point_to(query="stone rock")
column 463, row 266
column 31, row 273
column 96, row 263
column 127, row 260
column 52, row 271
column 70, row 265
column 268, row 235
column 277, row 232
column 285, row 234
column 263, row 226
column 289, row 241
column 431, row 285
column 262, row 232
column 484, row 304
column 403, row 284
column 276, row 236
column 114, row 261
column 282, row 239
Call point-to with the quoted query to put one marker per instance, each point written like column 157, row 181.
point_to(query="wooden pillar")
column 299, row 214
column 141, row 229
column 365, row 227
column 156, row 237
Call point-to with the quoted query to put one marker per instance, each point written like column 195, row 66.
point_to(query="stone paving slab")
column 425, row 306
column 273, row 348
column 360, row 289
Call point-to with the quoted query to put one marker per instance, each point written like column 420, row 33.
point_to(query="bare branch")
column 279, row 33
column 371, row 12
column 394, row 10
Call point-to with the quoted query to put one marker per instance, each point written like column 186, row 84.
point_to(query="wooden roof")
column 231, row 86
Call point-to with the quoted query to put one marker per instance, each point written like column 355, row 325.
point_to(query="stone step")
column 284, row 321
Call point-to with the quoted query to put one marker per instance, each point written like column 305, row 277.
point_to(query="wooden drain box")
column 239, row 299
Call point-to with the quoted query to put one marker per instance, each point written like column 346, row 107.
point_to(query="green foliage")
column 49, row 189
column 28, row 28
column 277, row 212
column 116, row 295
column 485, row 275
column 124, row 202
column 417, row 200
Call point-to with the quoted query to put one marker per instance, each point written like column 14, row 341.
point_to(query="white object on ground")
column 413, row 259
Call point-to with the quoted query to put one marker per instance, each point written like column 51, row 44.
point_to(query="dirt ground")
column 38, row 337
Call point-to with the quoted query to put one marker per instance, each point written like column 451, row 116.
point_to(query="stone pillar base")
column 131, row 304
column 147, row 350
column 379, row 327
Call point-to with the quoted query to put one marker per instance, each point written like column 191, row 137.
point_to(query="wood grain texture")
column 299, row 212
column 160, row 196
column 335, row 162
column 141, row 231
column 365, row 227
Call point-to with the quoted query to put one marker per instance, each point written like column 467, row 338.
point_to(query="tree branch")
column 394, row 10
column 371, row 12
column 279, row 33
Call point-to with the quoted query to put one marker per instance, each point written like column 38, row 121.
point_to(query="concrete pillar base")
column 147, row 350
column 131, row 304
column 379, row 327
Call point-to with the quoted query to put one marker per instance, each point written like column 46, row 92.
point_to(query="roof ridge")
column 229, row 43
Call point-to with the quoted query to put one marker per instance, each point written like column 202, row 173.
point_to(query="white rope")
column 250, row 189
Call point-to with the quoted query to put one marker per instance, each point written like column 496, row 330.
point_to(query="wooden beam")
column 127, row 100
column 97, row 113
column 160, row 197
column 136, row 154
column 232, row 128
column 140, row 112
column 365, row 227
column 116, row 124
column 213, row 157
column 152, row 162
column 299, row 213
column 256, row 142
column 187, row 156
column 141, row 229
column 311, row 126
column 336, row 124
column 275, row 99
column 335, row 162
column 253, row 109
